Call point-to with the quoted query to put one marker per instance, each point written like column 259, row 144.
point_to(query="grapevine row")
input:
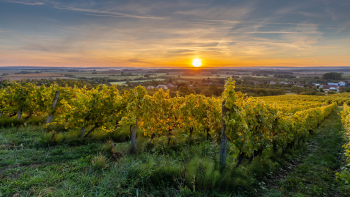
column 345, row 118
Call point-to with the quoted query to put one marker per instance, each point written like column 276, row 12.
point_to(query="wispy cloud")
column 273, row 32
column 107, row 13
column 346, row 25
column 24, row 2
column 136, row 60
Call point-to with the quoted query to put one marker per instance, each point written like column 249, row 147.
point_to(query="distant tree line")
column 285, row 76
column 332, row 76
column 47, row 82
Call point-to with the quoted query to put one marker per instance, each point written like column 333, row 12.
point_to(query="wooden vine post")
column 19, row 114
column 82, row 132
column 20, row 110
column 133, row 138
column 50, row 117
column 135, row 105
column 223, row 137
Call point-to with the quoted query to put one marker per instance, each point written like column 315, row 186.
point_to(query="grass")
column 30, row 167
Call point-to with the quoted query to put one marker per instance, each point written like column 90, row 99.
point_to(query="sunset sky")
column 169, row 33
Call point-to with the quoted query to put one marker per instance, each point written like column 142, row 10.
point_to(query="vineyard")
column 250, row 124
column 345, row 114
column 242, row 127
column 344, row 174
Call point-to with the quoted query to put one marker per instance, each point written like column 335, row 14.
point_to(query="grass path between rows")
column 313, row 173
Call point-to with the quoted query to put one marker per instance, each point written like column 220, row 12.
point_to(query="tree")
column 296, row 89
column 332, row 76
column 343, row 89
column 215, row 90
column 181, row 84
column 128, row 82
column 206, row 92
column 198, row 89
column 185, row 90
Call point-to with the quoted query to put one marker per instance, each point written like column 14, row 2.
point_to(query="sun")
column 197, row 62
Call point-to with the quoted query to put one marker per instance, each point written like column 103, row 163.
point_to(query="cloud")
column 24, row 2
column 106, row 13
column 332, row 13
column 172, row 32
column 136, row 60
column 46, row 48
column 346, row 25
column 273, row 32
column 181, row 51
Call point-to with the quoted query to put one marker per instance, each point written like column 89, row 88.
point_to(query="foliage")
column 332, row 76
column 345, row 115
column 260, row 91
column 189, row 170
column 253, row 124
column 96, row 108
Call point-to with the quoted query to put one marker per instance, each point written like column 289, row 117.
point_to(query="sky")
column 171, row 33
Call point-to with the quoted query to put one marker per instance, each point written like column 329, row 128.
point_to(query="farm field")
column 32, row 76
column 123, row 82
column 250, row 78
column 200, row 76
